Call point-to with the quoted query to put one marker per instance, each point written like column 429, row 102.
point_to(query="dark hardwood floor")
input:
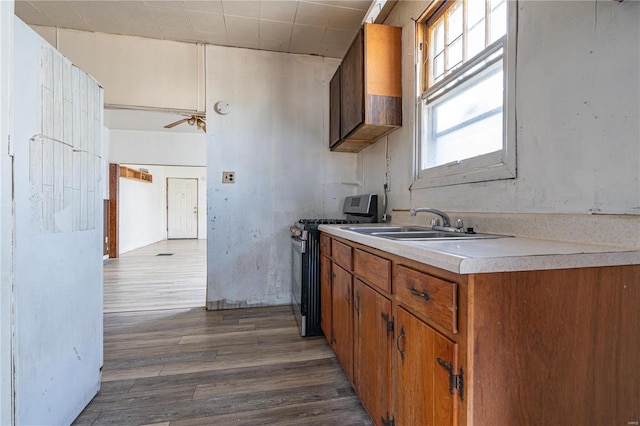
column 238, row 367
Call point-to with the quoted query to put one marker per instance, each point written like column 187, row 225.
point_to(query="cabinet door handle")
column 398, row 342
column 419, row 294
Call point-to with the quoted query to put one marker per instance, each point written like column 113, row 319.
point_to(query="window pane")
column 498, row 19
column 467, row 121
column 438, row 67
column 437, row 38
column 455, row 21
column 475, row 12
column 455, row 54
column 476, row 40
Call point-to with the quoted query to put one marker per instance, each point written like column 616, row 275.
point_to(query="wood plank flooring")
column 167, row 362
column 194, row 367
column 141, row 280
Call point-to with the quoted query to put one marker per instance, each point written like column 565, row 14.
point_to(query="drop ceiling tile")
column 306, row 39
column 207, row 22
column 352, row 4
column 30, row 14
column 333, row 51
column 62, row 14
column 275, row 30
column 277, row 10
column 204, row 6
column 169, row 18
column 346, row 19
column 274, row 45
column 313, row 14
column 178, row 34
column 131, row 12
column 97, row 15
column 240, row 40
column 239, row 27
column 139, row 30
column 335, row 36
column 244, row 8
column 212, row 38
column 306, row 33
column 165, row 3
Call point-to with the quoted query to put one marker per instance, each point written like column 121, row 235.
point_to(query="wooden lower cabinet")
column 423, row 395
column 373, row 329
column 342, row 318
column 325, row 296
column 544, row 347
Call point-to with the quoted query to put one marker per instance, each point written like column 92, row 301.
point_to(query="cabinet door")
column 342, row 319
column 422, row 392
column 334, row 109
column 325, row 296
column 372, row 351
column 352, row 87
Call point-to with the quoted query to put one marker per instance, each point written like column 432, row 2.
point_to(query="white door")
column 182, row 208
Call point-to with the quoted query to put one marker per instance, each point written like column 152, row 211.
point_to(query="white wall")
column 275, row 139
column 159, row 148
column 141, row 211
column 6, row 212
column 58, row 234
column 143, row 206
column 577, row 116
column 136, row 71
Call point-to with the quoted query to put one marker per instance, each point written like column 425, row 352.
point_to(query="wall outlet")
column 228, row 177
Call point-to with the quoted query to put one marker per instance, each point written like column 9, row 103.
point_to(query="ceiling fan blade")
column 175, row 123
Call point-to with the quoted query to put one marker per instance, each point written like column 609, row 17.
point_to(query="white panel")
column 136, row 71
column 143, row 147
column 58, row 273
column 280, row 162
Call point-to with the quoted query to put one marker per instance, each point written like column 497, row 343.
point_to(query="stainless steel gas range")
column 305, row 243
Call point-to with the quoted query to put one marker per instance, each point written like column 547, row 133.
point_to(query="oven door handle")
column 299, row 244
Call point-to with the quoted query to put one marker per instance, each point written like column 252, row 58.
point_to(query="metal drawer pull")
column 417, row 293
column 398, row 342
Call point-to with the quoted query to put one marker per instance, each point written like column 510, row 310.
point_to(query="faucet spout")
column 446, row 222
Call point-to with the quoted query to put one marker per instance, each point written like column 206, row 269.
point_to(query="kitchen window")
column 466, row 117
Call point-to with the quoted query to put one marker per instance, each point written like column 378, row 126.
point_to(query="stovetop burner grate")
column 325, row 221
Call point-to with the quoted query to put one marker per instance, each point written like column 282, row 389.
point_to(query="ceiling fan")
column 198, row 120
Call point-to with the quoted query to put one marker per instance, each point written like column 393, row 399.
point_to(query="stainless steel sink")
column 417, row 233
column 385, row 228
column 433, row 235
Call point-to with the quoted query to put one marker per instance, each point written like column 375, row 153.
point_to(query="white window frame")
column 496, row 165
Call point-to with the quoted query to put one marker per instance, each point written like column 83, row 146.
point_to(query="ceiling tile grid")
column 318, row 27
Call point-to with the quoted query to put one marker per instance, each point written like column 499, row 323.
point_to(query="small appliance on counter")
column 305, row 242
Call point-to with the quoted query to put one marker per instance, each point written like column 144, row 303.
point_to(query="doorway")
column 182, row 208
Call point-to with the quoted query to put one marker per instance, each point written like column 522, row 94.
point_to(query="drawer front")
column 374, row 269
column 341, row 254
column 429, row 297
column 325, row 245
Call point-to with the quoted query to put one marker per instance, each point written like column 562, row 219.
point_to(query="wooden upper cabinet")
column 351, row 83
column 370, row 88
column 334, row 109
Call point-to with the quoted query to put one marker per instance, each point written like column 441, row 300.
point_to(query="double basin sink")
column 417, row 233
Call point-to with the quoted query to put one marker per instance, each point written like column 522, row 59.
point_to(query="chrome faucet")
column 446, row 222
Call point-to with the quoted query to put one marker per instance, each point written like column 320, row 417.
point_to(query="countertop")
column 495, row 255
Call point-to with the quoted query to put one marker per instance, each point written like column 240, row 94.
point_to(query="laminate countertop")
column 495, row 255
